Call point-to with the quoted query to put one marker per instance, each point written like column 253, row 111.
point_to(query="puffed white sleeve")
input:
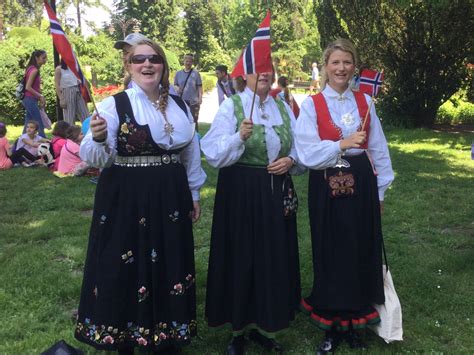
column 191, row 159
column 101, row 155
column 222, row 145
column 313, row 152
column 298, row 168
column 379, row 154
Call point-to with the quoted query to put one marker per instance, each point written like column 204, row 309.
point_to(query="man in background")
column 314, row 78
column 188, row 86
column 224, row 83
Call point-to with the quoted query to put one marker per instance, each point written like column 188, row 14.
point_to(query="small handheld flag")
column 65, row 50
column 370, row 82
column 256, row 58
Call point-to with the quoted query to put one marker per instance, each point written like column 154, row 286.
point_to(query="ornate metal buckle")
column 166, row 158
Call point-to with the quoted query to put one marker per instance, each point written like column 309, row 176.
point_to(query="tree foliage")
column 422, row 46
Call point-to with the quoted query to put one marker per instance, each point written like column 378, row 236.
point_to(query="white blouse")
column 222, row 145
column 103, row 155
column 320, row 154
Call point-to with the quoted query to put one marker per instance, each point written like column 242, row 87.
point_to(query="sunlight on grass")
column 207, row 192
column 35, row 224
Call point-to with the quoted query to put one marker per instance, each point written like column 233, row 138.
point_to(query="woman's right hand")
column 42, row 101
column 355, row 140
column 246, row 128
column 62, row 103
column 98, row 127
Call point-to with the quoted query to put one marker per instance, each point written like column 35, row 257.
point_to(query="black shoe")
column 236, row 346
column 355, row 340
column 267, row 343
column 329, row 344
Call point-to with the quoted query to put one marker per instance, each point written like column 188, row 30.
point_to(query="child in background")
column 58, row 141
column 5, row 149
column 26, row 151
column 69, row 162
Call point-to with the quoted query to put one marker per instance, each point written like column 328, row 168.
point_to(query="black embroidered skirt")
column 253, row 277
column 347, row 246
column 139, row 283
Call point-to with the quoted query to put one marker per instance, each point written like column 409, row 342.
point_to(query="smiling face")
column 31, row 129
column 146, row 75
column 188, row 62
column 263, row 85
column 340, row 68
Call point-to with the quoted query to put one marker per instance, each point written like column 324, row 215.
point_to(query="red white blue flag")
column 370, row 82
column 64, row 48
column 257, row 56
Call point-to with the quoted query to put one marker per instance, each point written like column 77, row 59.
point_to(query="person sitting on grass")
column 69, row 161
column 26, row 152
column 58, row 141
column 5, row 149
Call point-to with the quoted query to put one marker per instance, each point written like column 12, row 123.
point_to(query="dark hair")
column 222, row 68
column 36, row 53
column 60, row 129
column 240, row 84
column 63, row 64
column 34, row 123
column 73, row 132
column 3, row 130
column 283, row 82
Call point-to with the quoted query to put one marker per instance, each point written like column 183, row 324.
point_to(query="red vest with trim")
column 328, row 130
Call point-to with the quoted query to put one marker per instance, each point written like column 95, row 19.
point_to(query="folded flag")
column 256, row 58
column 370, row 81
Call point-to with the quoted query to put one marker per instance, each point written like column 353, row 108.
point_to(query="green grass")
column 429, row 236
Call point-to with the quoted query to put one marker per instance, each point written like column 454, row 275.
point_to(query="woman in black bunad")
column 350, row 169
column 253, row 278
column 139, row 281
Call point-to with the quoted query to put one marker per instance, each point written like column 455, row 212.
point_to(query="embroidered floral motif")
column 180, row 288
column 174, row 216
column 124, row 128
column 142, row 221
column 342, row 184
column 347, row 119
column 128, row 257
column 154, row 256
column 144, row 337
column 142, row 294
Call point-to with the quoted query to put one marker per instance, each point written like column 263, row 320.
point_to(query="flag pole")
column 253, row 98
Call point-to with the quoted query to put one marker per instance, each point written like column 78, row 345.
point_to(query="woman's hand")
column 98, row 127
column 42, row 101
column 196, row 212
column 355, row 140
column 246, row 129
column 280, row 166
column 62, row 103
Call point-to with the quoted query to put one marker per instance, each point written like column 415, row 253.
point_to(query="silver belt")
column 145, row 160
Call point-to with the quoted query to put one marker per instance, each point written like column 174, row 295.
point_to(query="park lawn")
column 428, row 228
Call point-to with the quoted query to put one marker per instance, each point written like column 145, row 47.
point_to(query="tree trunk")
column 2, row 6
column 78, row 10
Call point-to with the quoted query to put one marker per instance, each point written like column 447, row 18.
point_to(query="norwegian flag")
column 370, row 82
column 65, row 50
column 257, row 56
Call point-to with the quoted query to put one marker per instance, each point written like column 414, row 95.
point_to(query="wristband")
column 100, row 141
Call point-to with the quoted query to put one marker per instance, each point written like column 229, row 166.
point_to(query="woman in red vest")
column 350, row 169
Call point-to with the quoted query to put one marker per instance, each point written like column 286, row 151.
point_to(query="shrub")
column 14, row 55
column 208, row 81
column 455, row 112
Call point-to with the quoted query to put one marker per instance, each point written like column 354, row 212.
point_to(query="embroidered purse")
column 341, row 183
column 290, row 198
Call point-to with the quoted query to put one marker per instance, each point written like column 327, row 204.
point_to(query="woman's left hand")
column 280, row 166
column 196, row 212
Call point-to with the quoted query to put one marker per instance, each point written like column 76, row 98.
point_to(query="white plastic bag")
column 390, row 327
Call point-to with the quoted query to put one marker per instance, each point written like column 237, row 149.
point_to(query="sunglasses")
column 141, row 58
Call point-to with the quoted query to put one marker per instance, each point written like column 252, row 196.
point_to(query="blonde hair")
column 165, row 76
column 341, row 44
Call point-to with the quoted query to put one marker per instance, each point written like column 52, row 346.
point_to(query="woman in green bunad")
column 253, row 279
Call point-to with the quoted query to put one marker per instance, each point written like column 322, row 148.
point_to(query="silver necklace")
column 168, row 127
column 261, row 108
